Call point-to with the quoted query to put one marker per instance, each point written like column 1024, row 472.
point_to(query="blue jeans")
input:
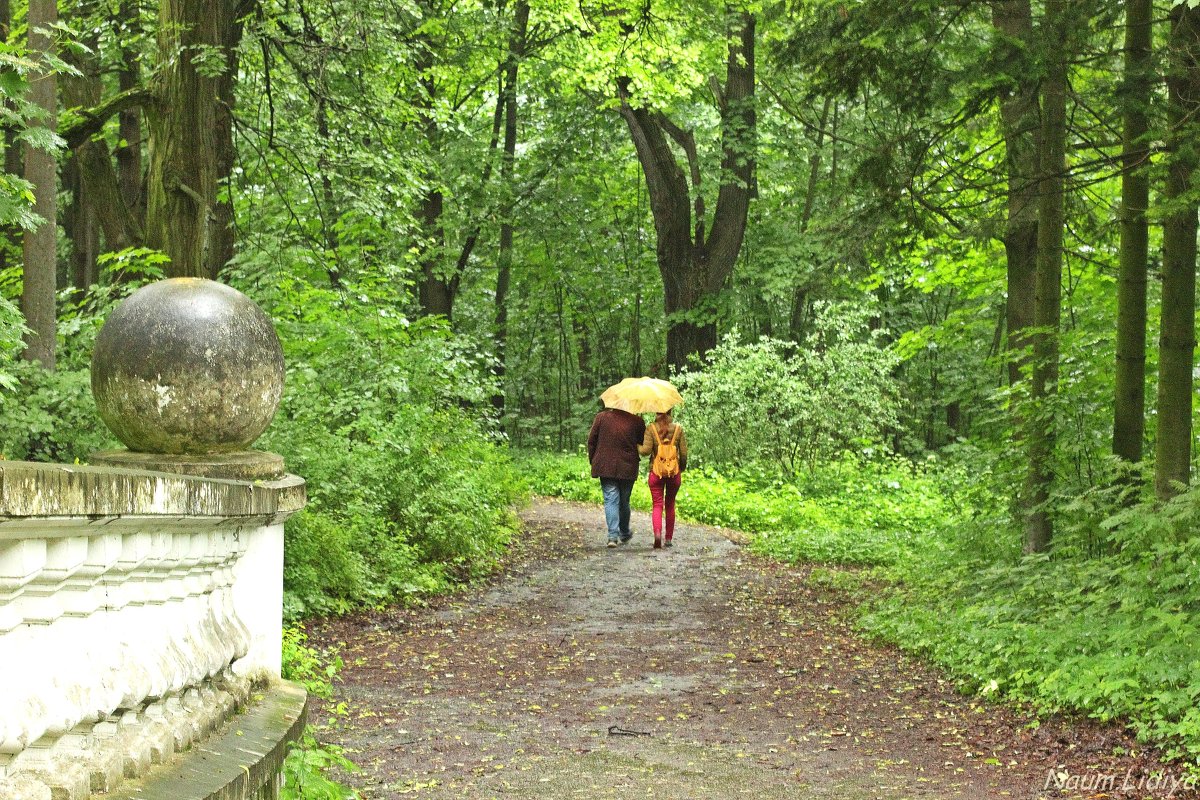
column 616, row 507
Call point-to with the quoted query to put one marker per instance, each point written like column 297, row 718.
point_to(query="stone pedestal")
column 144, row 592
column 245, row 465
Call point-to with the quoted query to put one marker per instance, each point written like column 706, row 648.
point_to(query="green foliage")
column 331, row 189
column 1111, row 637
column 133, row 265
column 50, row 416
column 313, row 670
column 791, row 405
column 408, row 492
column 304, row 772
column 12, row 331
column 307, row 762
column 859, row 512
column 18, row 114
column 82, row 314
column 402, row 505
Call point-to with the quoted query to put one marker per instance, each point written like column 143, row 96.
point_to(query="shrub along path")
column 696, row 672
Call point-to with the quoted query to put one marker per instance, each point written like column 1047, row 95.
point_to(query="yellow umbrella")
column 640, row 395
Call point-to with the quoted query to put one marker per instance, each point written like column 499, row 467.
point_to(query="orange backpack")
column 666, row 459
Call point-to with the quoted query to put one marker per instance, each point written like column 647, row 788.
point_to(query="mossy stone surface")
column 187, row 365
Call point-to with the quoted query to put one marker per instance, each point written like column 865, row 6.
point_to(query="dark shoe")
column 669, row 543
column 657, row 542
column 626, row 537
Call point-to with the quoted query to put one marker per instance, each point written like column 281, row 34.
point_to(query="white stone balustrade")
column 126, row 597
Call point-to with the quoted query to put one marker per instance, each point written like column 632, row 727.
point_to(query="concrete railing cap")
column 29, row 489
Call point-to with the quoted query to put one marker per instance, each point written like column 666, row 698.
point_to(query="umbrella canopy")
column 640, row 395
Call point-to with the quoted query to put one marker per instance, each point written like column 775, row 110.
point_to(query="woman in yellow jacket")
column 666, row 445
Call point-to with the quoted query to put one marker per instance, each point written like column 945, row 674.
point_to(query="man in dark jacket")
column 613, row 450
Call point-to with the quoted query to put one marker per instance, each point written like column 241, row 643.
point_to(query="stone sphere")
column 187, row 365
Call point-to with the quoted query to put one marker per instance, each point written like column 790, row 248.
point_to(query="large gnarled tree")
column 695, row 259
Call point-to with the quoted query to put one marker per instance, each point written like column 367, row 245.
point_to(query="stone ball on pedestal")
column 187, row 365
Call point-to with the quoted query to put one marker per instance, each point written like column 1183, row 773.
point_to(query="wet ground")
column 701, row 671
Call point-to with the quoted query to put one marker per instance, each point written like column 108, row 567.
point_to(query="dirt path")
column 696, row 672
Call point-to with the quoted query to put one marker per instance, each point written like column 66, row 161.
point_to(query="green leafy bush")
column 401, row 505
column 1111, row 637
column 308, row 761
column 310, row 668
column 50, row 416
column 792, row 406
column 12, row 329
column 409, row 492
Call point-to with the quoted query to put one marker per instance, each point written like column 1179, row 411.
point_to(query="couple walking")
column 616, row 442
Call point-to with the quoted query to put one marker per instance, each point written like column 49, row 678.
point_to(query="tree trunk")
column 800, row 293
column 954, row 420
column 81, row 217
column 119, row 224
column 437, row 288
column 670, row 207
column 223, row 237
column 1013, row 20
column 516, row 51
column 1129, row 405
column 1041, row 431
column 81, row 226
column 12, row 150
column 184, row 163
column 41, row 170
column 1177, row 340
column 695, row 268
column 129, row 122
column 435, row 293
column 738, row 144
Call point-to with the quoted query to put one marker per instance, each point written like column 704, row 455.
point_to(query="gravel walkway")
column 696, row 672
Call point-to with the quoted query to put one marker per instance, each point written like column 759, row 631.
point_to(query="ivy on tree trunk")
column 194, row 47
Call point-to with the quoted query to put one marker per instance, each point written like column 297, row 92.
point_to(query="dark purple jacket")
column 613, row 444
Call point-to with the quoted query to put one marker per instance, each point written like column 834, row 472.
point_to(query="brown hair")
column 659, row 415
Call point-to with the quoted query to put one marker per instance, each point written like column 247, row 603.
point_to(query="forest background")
column 925, row 272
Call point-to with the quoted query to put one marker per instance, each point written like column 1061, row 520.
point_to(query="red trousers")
column 662, row 493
